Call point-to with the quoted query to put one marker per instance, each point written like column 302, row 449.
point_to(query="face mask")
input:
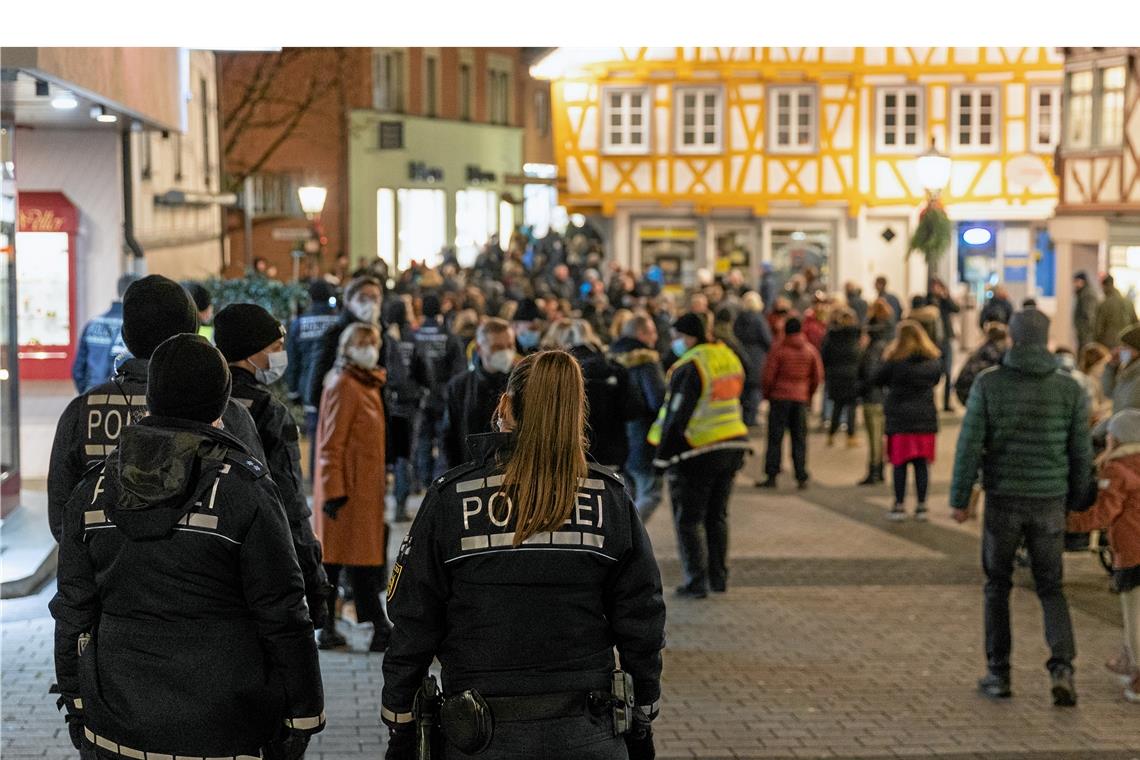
column 1125, row 356
column 502, row 361
column 365, row 357
column 278, row 361
column 365, row 309
column 679, row 346
column 528, row 339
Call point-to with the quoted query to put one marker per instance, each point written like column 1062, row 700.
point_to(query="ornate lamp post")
column 312, row 199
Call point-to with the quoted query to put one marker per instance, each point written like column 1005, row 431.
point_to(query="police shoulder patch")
column 606, row 473
column 246, row 463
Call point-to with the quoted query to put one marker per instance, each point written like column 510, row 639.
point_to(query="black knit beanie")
column 188, row 379
column 199, row 295
column 792, row 326
column 692, row 325
column 243, row 329
column 154, row 309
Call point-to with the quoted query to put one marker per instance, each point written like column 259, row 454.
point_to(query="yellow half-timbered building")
column 720, row 157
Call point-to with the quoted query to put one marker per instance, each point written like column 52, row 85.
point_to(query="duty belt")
column 544, row 706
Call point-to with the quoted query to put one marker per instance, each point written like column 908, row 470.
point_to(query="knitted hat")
column 793, row 326
column 692, row 325
column 1130, row 336
column 188, row 379
column 1125, row 426
column 527, row 311
column 243, row 329
column 1029, row 328
column 199, row 294
column 321, row 290
column 1082, row 276
column 431, row 305
column 154, row 309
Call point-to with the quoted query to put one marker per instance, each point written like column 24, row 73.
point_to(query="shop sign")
column 418, row 171
column 476, row 175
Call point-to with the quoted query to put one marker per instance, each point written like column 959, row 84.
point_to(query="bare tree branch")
column 314, row 92
column 260, row 87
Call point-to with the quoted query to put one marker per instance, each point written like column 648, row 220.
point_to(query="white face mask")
column 365, row 357
column 365, row 309
column 278, row 361
column 502, row 361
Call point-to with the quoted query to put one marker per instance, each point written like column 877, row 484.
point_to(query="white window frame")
column 500, row 83
column 976, row 91
column 627, row 148
column 1090, row 142
column 1054, row 115
column 772, row 104
column 1098, row 104
column 900, row 92
column 385, row 97
column 700, row 147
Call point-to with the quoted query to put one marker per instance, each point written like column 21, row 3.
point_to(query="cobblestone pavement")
column 841, row 636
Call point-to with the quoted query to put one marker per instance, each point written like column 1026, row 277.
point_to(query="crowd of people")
column 540, row 401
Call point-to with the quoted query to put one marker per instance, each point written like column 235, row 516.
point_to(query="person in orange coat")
column 350, row 479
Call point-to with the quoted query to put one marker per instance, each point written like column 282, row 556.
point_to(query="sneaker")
column 920, row 514
column 1121, row 667
column 1132, row 690
column 685, row 592
column 1064, row 692
column 995, row 686
column 328, row 638
column 897, row 513
column 769, row 483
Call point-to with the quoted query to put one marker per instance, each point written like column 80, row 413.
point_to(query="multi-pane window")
column 542, row 112
column 1112, row 82
column 625, row 121
column 974, row 119
column 499, row 103
column 1080, row 113
column 899, row 119
column 388, row 80
column 1044, row 118
column 465, row 91
column 698, row 127
column 791, row 119
column 431, row 86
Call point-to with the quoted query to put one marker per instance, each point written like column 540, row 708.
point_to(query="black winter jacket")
column 303, row 344
column 607, row 391
column 909, row 403
column 755, row 335
column 541, row 618
column 91, row 424
column 870, row 359
column 840, row 354
column 281, row 441
column 436, row 358
column 181, row 626
column 471, row 401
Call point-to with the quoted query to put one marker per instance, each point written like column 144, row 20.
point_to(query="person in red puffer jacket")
column 1117, row 508
column 792, row 374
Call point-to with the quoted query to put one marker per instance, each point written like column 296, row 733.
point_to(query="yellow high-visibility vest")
column 718, row 416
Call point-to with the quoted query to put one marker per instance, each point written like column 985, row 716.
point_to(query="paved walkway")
column 841, row 636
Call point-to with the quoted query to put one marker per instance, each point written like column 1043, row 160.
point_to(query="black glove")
column 401, row 743
column 639, row 738
column 332, row 506
column 318, row 606
column 75, row 729
column 289, row 745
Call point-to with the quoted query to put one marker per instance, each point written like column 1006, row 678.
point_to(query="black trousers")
column 699, row 489
column 366, row 583
column 790, row 416
column 1040, row 523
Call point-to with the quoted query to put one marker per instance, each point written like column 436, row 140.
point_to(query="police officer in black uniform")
column 154, row 309
column 438, row 356
column 303, row 344
column 522, row 572
column 181, row 627
column 253, row 342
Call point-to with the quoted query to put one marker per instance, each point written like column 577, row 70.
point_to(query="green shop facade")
column 420, row 185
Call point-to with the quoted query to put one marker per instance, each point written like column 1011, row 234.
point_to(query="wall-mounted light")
column 933, row 169
column 312, row 199
column 100, row 114
column 64, row 101
column 977, row 236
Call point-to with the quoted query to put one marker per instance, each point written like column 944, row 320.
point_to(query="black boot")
column 879, row 472
column 329, row 638
column 769, row 483
column 870, row 480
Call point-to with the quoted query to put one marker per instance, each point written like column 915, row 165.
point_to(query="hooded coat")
column 1026, row 428
column 1117, row 509
column 840, row 354
column 909, row 402
column 607, row 395
column 181, row 624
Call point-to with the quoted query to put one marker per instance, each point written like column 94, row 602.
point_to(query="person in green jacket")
column 1113, row 315
column 1026, row 429
column 1084, row 310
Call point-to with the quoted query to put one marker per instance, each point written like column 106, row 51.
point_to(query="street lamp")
column 933, row 170
column 312, row 199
